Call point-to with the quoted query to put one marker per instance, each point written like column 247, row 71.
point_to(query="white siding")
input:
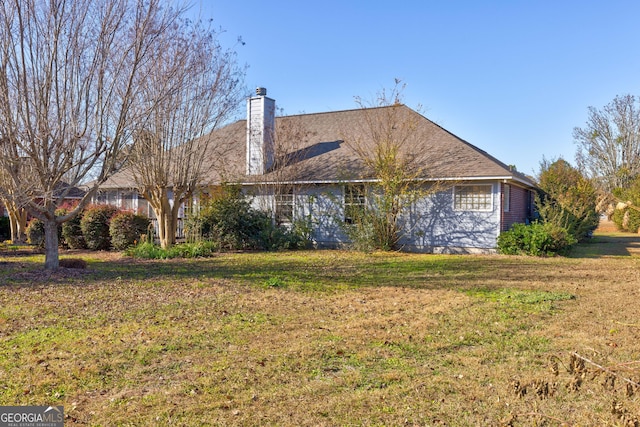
column 431, row 225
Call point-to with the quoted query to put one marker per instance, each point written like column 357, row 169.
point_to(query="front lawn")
column 325, row 338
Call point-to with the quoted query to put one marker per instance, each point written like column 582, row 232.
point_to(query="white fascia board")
column 360, row 181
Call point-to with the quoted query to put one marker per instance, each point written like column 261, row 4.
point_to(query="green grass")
column 318, row 338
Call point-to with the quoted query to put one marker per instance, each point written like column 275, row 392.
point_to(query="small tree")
column 626, row 215
column 193, row 86
column 70, row 72
column 390, row 147
column 568, row 200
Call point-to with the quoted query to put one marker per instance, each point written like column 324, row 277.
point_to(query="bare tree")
column 609, row 144
column 278, row 186
column 193, row 86
column 389, row 143
column 69, row 73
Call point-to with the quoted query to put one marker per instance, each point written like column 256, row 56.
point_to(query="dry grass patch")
column 324, row 338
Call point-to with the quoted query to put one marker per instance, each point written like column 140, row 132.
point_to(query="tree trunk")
column 167, row 221
column 166, row 228
column 18, row 222
column 51, row 260
column 170, row 225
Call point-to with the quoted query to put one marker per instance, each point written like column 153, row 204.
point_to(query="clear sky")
column 512, row 77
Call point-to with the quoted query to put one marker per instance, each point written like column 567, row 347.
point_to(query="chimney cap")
column 261, row 91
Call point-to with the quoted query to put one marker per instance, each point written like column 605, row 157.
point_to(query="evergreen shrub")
column 537, row 239
column 35, row 232
column 95, row 226
column 72, row 233
column 126, row 229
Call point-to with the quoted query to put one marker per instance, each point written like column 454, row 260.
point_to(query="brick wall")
column 520, row 208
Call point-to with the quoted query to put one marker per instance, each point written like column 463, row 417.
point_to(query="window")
column 472, row 197
column 100, row 197
column 354, row 202
column 284, row 207
column 126, row 201
column 506, row 198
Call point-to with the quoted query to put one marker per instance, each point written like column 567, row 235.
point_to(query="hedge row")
column 98, row 227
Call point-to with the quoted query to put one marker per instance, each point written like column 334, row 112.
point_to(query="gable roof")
column 321, row 155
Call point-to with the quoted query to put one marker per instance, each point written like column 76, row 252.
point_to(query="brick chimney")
column 261, row 114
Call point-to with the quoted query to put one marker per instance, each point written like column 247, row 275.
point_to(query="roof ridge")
column 343, row 111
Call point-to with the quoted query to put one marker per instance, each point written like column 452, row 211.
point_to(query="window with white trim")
column 473, row 197
column 284, row 206
column 354, row 202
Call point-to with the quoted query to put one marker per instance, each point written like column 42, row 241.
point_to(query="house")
column 304, row 167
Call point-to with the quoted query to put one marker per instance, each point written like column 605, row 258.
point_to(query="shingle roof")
column 326, row 154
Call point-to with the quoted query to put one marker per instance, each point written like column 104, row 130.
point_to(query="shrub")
column 537, row 239
column 35, row 232
column 569, row 199
column 230, row 221
column 77, row 263
column 232, row 224
column 72, row 233
column 193, row 250
column 617, row 218
column 147, row 250
column 627, row 219
column 126, row 228
column 95, row 226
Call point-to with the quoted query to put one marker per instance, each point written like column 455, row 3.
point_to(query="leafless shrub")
column 577, row 373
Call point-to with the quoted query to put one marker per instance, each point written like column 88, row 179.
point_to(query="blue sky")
column 511, row 77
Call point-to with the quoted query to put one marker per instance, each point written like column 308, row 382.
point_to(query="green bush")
column 232, row 224
column 193, row 250
column 568, row 199
column 126, row 228
column 627, row 219
column 618, row 218
column 149, row 250
column 633, row 223
column 72, row 233
column 95, row 226
column 230, row 221
column 35, row 232
column 361, row 232
column 537, row 239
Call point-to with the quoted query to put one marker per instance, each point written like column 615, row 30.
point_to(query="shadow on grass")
column 608, row 245
column 304, row 270
column 323, row 271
